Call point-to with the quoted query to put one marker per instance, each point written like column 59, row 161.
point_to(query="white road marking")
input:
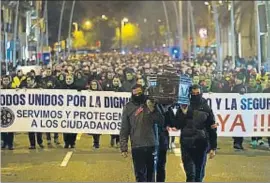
column 69, row 154
column 177, row 152
column 66, row 159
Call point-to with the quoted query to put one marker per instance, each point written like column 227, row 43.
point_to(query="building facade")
column 26, row 31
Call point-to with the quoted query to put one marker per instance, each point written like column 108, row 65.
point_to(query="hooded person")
column 80, row 81
column 107, row 84
column 61, row 82
column 129, row 81
column 198, row 137
column 139, row 118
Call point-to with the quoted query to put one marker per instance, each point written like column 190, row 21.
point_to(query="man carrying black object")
column 138, row 119
column 198, row 131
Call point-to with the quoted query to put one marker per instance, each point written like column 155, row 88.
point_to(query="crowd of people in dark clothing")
column 119, row 73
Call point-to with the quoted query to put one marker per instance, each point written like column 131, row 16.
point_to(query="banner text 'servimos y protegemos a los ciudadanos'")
column 71, row 111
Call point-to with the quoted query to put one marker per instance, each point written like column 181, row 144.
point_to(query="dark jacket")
column 183, row 119
column 240, row 88
column 127, row 85
column 138, row 123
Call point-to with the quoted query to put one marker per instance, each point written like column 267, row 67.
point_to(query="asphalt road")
column 84, row 164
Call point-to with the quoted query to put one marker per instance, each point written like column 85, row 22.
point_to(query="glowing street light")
column 159, row 20
column 87, row 25
column 104, row 17
column 206, row 3
column 76, row 26
column 125, row 20
column 145, row 20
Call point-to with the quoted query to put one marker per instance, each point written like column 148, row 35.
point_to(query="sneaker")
column 238, row 147
column 72, row 146
column 10, row 148
column 32, row 147
column 253, row 144
column 96, row 146
column 261, row 142
column 3, row 147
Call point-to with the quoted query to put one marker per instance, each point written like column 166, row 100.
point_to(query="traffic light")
column 176, row 52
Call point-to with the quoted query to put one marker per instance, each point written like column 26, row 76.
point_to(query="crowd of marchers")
column 119, row 73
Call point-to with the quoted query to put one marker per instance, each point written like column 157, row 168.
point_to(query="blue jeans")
column 194, row 161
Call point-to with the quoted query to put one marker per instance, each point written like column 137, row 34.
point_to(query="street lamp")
column 76, row 25
column 87, row 25
column 125, row 20
column 206, row 3
column 104, row 17
column 122, row 23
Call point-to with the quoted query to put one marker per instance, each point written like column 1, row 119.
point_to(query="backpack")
column 194, row 134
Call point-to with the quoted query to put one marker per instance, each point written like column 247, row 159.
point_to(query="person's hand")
column 174, row 129
column 214, row 125
column 212, row 154
column 150, row 105
column 124, row 154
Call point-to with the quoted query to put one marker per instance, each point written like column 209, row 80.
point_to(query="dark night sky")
column 135, row 11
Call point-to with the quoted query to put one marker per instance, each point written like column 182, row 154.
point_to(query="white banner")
column 70, row 111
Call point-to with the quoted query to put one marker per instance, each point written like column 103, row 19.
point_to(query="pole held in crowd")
column 232, row 33
column 69, row 28
column 15, row 33
column 59, row 30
